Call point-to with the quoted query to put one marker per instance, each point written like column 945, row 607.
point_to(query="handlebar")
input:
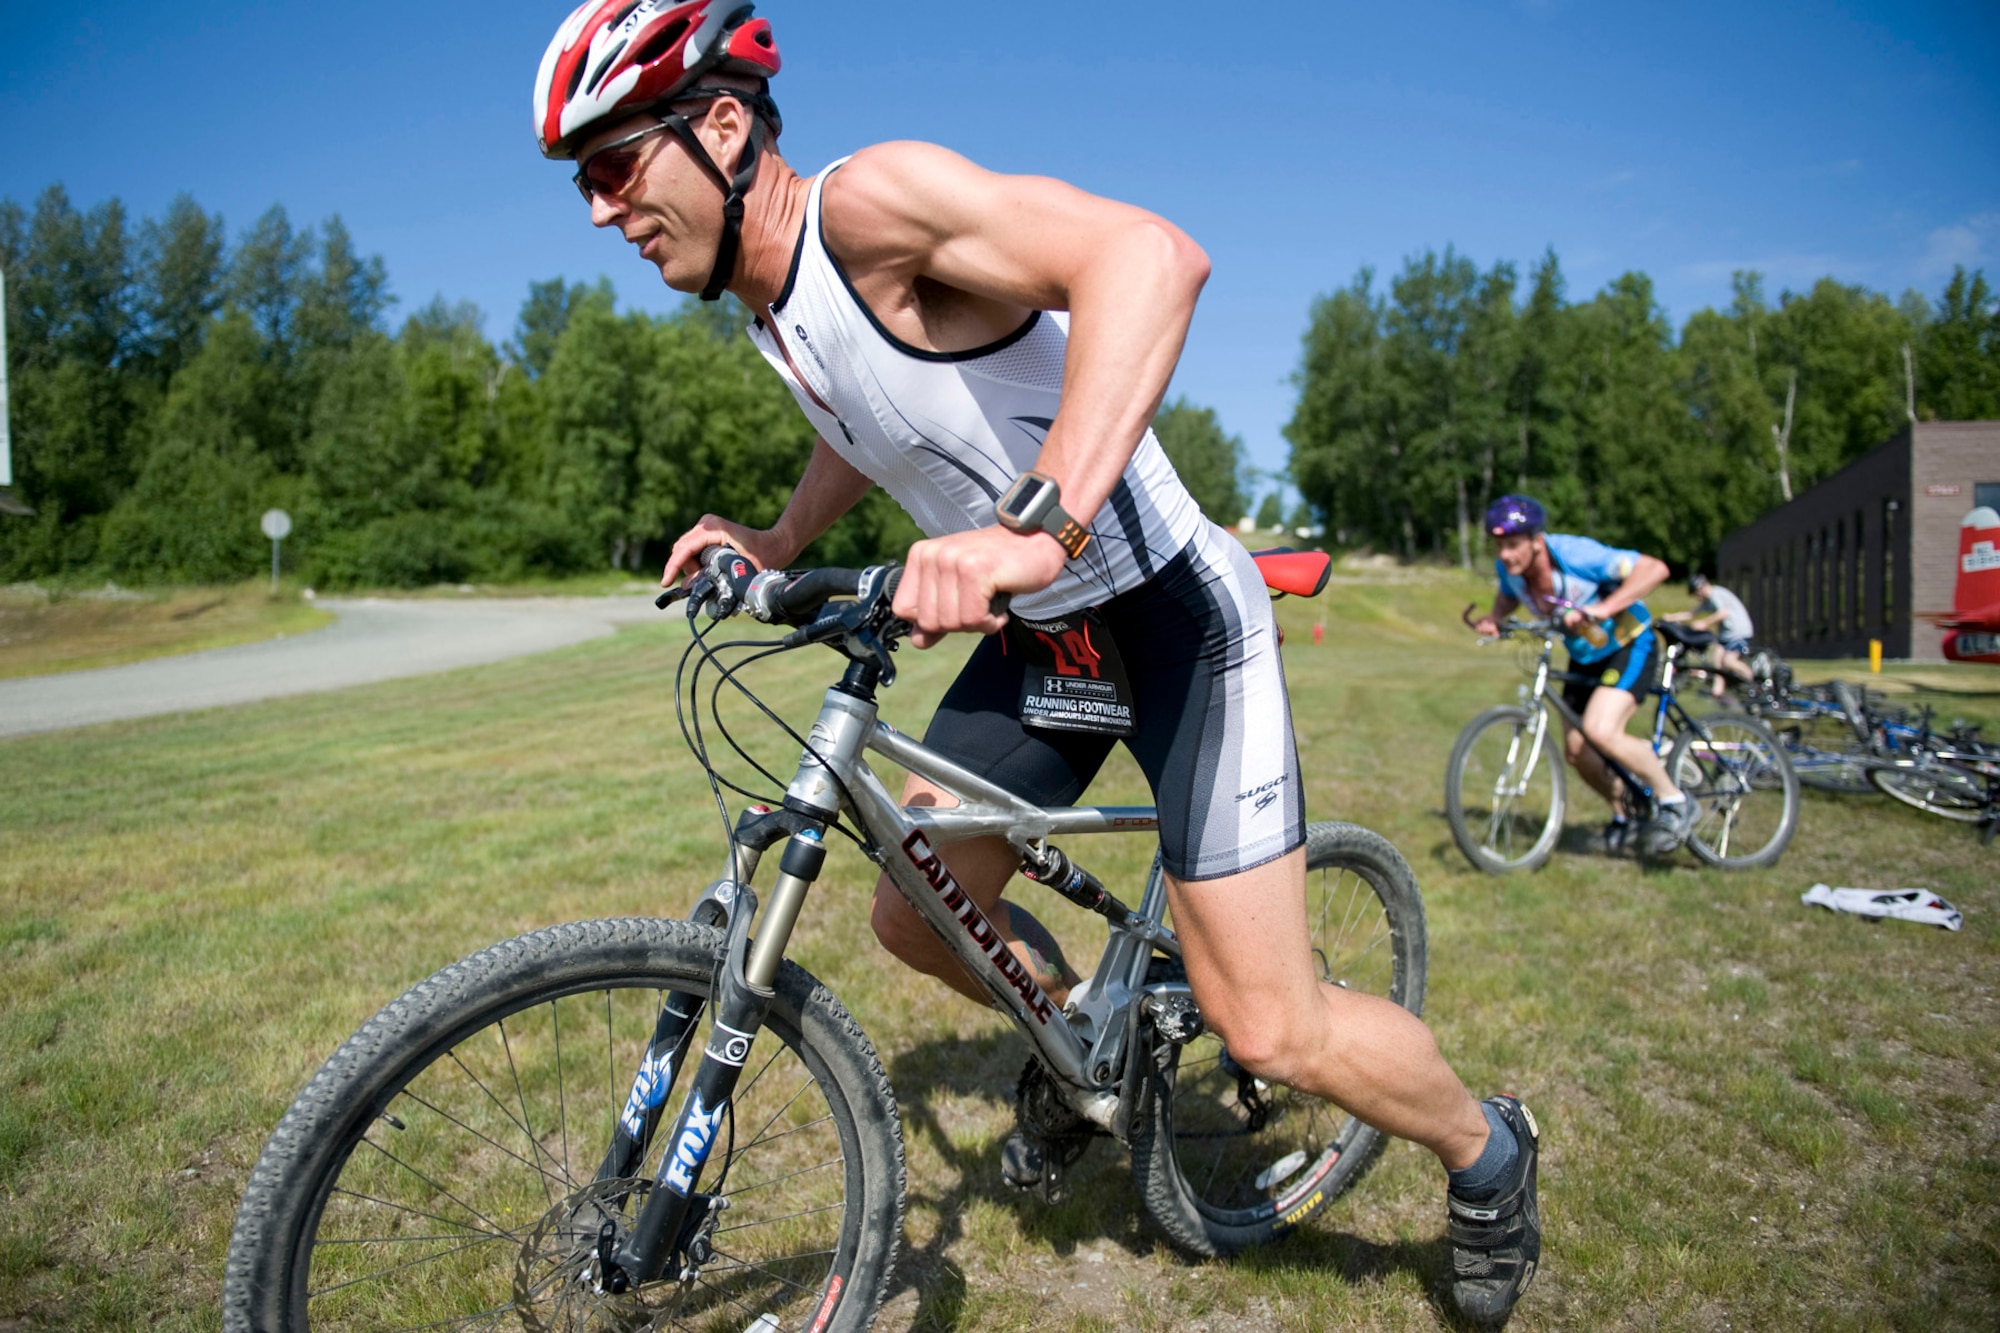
column 1547, row 629
column 725, row 582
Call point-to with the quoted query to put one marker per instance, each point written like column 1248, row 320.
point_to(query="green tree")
column 180, row 284
column 1958, row 352
column 544, row 316
column 1348, row 453
column 191, row 515
column 1271, row 513
column 1208, row 459
column 71, row 330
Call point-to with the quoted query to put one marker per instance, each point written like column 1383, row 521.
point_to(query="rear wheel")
column 1745, row 793
column 1224, row 1160
column 1936, row 788
column 1503, row 789
column 440, row 1170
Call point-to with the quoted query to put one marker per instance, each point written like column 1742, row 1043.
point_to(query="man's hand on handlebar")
column 951, row 581
column 755, row 544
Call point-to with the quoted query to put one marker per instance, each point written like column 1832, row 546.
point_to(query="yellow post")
column 1875, row 656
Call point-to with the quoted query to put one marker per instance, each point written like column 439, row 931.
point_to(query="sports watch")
column 1032, row 504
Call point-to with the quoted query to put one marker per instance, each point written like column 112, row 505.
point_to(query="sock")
column 1674, row 800
column 1496, row 1163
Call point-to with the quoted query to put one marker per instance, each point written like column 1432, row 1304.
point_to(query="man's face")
column 669, row 208
column 1517, row 551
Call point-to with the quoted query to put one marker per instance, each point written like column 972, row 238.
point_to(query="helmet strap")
column 733, row 192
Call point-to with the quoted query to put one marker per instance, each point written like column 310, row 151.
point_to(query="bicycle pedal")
column 1023, row 1160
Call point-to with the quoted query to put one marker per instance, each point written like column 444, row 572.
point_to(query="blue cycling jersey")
column 1585, row 571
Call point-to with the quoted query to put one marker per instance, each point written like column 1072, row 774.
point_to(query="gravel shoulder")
column 371, row 639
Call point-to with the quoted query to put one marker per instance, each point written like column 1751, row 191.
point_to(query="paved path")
column 370, row 640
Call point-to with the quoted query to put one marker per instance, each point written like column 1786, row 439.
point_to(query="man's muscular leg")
column 1589, row 765
column 982, row 867
column 1248, row 952
column 1604, row 721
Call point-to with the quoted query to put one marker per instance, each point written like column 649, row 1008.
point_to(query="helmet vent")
column 575, row 80
column 659, row 43
column 610, row 58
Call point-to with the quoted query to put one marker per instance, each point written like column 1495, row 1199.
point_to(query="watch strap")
column 1072, row 534
column 1044, row 514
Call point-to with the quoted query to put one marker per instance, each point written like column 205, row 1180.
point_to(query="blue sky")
column 1296, row 141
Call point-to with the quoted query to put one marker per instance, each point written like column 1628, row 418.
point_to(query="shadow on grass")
column 931, row 1079
column 1577, row 840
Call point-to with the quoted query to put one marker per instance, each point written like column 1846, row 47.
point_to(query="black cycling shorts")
column 1212, row 721
column 1635, row 669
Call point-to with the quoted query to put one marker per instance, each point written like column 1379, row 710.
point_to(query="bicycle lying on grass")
column 1957, row 779
column 1505, row 789
column 1836, row 733
column 496, row 1148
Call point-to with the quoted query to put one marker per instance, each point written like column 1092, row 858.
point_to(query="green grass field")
column 1755, row 1115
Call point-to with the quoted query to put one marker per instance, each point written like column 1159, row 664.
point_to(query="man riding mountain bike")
column 1720, row 612
column 1594, row 592
column 991, row 350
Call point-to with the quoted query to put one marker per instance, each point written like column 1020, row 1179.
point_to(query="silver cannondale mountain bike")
column 665, row 1124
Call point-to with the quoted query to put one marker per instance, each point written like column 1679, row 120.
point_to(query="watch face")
column 1022, row 498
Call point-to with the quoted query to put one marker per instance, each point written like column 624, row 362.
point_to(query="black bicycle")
column 653, row 1124
column 1505, row 790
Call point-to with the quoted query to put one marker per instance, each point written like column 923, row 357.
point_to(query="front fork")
column 675, row 1209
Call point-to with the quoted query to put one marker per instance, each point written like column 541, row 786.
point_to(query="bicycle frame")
column 1668, row 710
column 1086, row 1049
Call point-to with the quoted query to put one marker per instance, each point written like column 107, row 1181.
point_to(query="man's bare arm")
column 1503, row 606
column 830, row 487
column 1647, row 575
column 1128, row 279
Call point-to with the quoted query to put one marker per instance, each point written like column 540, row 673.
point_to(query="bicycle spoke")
column 562, row 1100
column 397, row 1268
column 502, row 1107
column 483, row 1138
column 418, row 1212
column 437, row 1187
column 533, row 1143
column 779, row 1180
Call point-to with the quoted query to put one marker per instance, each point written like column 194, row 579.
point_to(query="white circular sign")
column 277, row 524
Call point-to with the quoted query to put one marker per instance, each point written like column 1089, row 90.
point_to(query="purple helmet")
column 1513, row 515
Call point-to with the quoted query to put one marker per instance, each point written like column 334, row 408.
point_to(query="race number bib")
column 1074, row 679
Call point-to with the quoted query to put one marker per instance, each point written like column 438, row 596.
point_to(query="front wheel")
column 1503, row 789
column 1225, row 1160
column 1745, row 792
column 1933, row 787
column 441, row 1169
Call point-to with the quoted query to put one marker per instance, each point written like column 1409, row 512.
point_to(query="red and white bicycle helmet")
column 617, row 58
column 614, row 58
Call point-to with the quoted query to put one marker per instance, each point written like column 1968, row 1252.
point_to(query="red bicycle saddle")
column 1303, row 573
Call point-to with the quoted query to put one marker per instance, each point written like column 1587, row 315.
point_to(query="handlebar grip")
column 999, row 606
column 810, row 590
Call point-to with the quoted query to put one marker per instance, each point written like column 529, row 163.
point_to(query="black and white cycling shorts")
column 1212, row 721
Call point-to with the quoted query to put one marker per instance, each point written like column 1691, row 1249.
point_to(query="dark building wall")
column 1869, row 552
column 1831, row 570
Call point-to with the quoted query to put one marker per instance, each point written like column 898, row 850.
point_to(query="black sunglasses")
column 610, row 168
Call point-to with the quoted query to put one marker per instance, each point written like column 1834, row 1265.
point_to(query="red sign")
column 1943, row 490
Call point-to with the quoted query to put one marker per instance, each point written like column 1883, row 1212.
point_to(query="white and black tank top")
column 946, row 433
